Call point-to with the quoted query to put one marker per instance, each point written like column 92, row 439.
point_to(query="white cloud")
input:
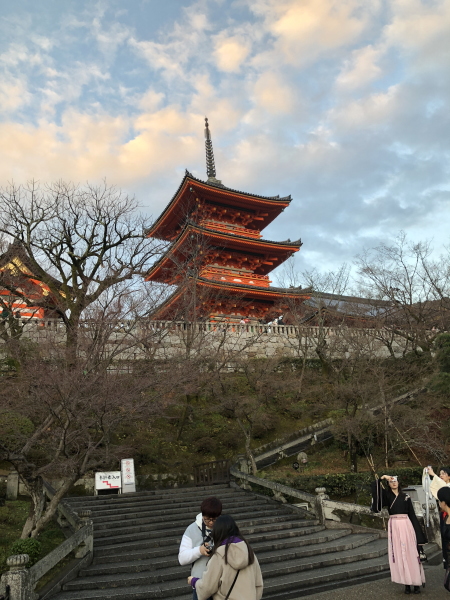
column 273, row 94
column 335, row 101
column 362, row 68
column 230, row 53
column 13, row 94
column 309, row 29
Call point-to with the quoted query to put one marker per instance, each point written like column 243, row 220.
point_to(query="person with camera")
column 196, row 544
column 404, row 533
column 233, row 573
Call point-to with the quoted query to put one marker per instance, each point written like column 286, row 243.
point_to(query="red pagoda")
column 217, row 257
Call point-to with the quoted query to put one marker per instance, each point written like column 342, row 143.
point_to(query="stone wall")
column 164, row 340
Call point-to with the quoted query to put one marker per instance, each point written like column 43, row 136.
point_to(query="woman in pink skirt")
column 404, row 533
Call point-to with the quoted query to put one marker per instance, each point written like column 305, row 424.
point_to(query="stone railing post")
column 320, row 509
column 243, row 463
column 17, row 580
column 434, row 529
column 12, row 485
column 87, row 545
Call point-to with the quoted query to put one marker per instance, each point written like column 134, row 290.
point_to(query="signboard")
column 108, row 480
column 128, row 478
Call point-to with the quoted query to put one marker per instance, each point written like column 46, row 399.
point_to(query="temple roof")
column 265, row 293
column 17, row 259
column 229, row 241
column 175, row 212
column 18, row 278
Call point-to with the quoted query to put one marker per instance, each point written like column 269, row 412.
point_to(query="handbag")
column 232, row 586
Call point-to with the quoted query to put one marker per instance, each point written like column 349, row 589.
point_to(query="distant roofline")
column 356, row 299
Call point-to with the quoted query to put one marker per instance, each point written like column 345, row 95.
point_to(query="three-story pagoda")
column 217, row 257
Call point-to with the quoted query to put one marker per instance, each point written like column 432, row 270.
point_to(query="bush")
column 29, row 546
column 341, row 485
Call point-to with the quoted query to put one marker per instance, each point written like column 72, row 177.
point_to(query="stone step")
column 169, row 535
column 173, row 528
column 110, row 510
column 148, row 524
column 115, row 554
column 265, row 553
column 177, row 497
column 299, row 586
column 162, row 509
column 292, row 587
column 190, row 513
column 173, row 578
column 136, row 541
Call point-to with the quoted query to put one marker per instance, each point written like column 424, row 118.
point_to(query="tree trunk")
column 189, row 397
column 38, row 517
column 248, row 450
column 35, row 487
column 353, row 455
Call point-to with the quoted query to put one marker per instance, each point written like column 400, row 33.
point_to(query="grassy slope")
column 12, row 518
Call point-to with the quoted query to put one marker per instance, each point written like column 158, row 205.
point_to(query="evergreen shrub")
column 341, row 485
column 30, row 546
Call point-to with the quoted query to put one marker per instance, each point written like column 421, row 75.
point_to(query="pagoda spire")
column 210, row 164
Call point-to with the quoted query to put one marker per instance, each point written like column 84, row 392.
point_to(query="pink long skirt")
column 404, row 561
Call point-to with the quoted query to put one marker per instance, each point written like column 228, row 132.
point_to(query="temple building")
column 217, row 257
column 22, row 295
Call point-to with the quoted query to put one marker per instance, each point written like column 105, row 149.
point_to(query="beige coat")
column 218, row 577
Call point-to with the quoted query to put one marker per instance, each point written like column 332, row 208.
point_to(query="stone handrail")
column 278, row 489
column 66, row 515
column 273, row 451
column 322, row 507
column 82, row 540
column 19, row 582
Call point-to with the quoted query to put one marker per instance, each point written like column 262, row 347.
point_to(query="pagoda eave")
column 190, row 188
column 274, row 253
column 240, row 298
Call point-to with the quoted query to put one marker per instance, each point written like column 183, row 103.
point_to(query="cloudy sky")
column 344, row 104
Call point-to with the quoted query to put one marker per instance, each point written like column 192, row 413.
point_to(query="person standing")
column 196, row 543
column 404, row 533
column 440, row 481
column 444, row 504
column 233, row 571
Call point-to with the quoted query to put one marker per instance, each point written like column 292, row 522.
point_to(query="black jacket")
column 396, row 505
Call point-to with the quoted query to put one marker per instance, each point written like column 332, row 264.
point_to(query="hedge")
column 341, row 485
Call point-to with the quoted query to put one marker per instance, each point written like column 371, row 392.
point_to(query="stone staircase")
column 136, row 539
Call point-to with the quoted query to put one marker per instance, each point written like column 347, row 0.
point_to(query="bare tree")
column 63, row 421
column 415, row 286
column 81, row 242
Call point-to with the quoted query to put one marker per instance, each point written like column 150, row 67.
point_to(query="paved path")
column 384, row 589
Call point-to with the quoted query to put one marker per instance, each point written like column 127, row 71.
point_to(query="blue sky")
column 342, row 103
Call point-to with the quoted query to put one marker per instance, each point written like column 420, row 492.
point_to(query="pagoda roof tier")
column 270, row 253
column 17, row 277
column 225, row 292
column 265, row 208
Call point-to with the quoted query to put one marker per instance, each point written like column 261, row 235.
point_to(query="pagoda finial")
column 210, row 164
